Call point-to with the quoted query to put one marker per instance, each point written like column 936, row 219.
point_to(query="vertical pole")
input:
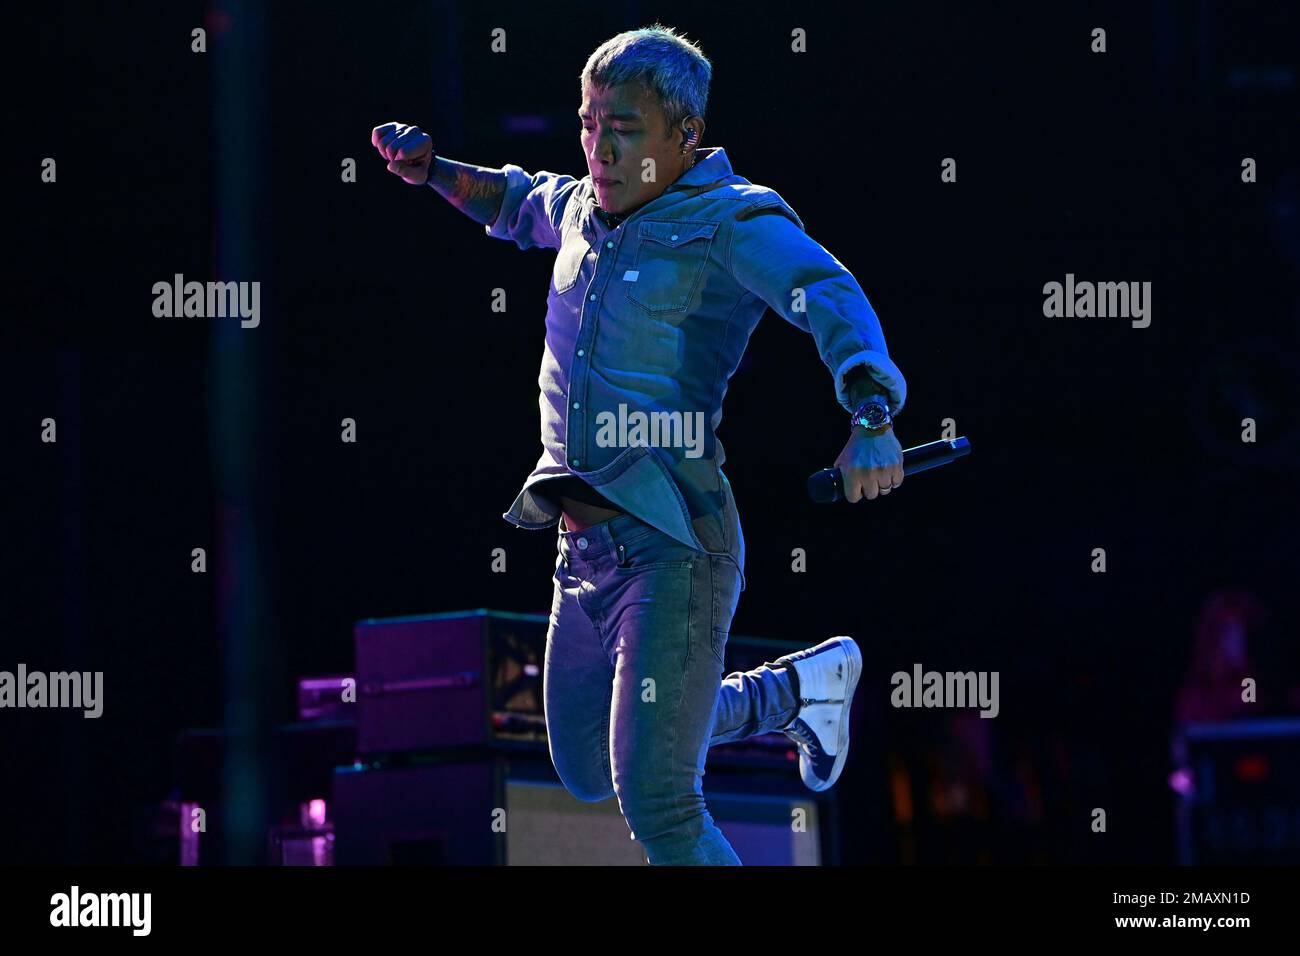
column 243, row 422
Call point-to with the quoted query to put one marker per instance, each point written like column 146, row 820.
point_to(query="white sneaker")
column 828, row 674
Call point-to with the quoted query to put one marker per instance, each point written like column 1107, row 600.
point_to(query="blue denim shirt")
column 646, row 323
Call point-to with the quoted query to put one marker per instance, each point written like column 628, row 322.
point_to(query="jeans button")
column 582, row 543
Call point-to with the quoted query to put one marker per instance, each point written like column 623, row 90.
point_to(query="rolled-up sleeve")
column 772, row 257
column 533, row 209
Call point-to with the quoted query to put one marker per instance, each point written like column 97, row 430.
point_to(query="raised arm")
column 477, row 191
column 526, row 208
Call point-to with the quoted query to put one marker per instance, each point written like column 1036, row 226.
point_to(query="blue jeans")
column 633, row 686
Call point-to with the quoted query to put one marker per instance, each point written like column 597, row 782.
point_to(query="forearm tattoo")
column 475, row 190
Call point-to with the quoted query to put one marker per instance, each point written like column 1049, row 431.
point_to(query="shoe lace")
column 797, row 731
column 805, row 738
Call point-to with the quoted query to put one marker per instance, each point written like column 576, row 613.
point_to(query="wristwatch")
column 872, row 413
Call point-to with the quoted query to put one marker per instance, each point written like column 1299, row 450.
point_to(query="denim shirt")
column 645, row 324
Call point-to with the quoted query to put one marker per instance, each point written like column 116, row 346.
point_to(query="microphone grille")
column 826, row 486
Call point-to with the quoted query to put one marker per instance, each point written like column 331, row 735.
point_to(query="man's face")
column 622, row 126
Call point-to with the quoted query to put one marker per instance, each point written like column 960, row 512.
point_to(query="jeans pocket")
column 652, row 551
column 719, row 643
column 561, row 558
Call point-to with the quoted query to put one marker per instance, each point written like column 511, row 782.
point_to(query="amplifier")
column 468, row 678
column 458, row 679
column 511, row 810
column 1240, row 792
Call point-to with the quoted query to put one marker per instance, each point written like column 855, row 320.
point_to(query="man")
column 666, row 260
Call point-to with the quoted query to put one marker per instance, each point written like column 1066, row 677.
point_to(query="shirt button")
column 575, row 404
column 574, row 463
column 582, row 351
column 582, row 543
column 674, row 238
column 592, row 297
column 609, row 245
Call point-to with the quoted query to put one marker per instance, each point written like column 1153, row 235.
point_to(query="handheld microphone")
column 827, row 485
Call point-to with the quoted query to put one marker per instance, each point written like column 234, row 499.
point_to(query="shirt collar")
column 709, row 168
column 712, row 166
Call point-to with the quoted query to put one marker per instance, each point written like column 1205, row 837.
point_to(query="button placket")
column 586, row 334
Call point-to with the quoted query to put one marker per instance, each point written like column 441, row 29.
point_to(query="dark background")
column 175, row 434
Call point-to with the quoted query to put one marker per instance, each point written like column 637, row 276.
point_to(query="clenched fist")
column 872, row 465
column 407, row 150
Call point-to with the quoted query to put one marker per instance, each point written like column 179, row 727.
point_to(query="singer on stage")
column 665, row 262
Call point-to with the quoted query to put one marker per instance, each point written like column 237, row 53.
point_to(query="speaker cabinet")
column 511, row 810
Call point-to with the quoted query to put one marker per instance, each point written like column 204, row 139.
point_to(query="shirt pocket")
column 670, row 260
column 568, row 263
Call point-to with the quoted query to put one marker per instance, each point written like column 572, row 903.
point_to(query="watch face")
column 873, row 415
